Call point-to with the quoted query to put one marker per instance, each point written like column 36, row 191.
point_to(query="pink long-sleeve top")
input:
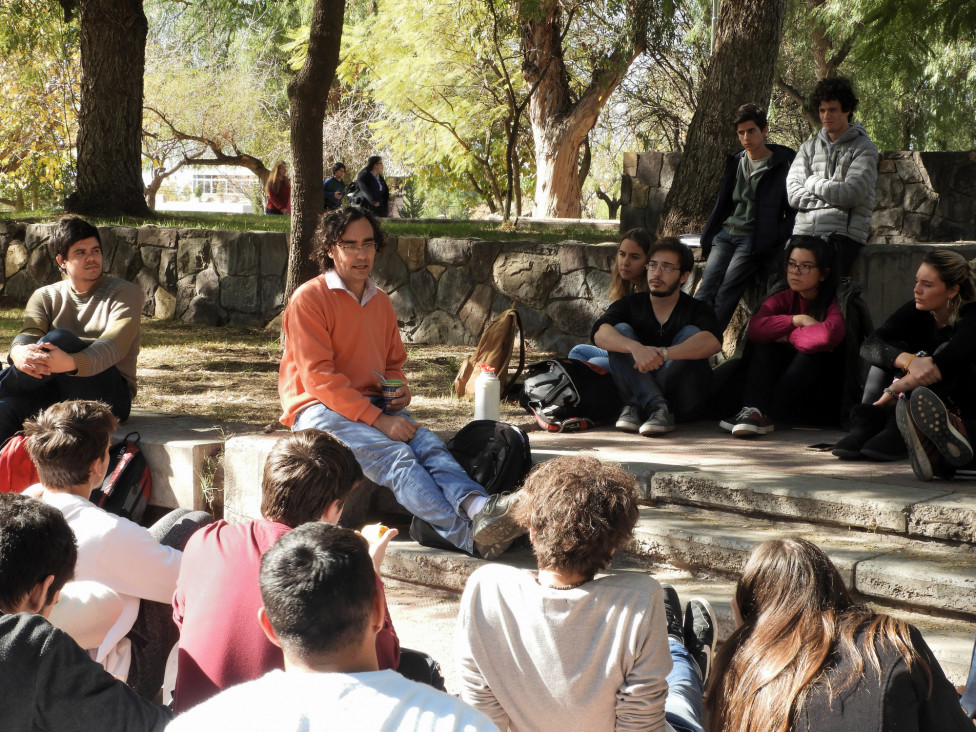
column 774, row 320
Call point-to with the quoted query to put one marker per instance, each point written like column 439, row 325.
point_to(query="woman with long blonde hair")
column 805, row 657
column 278, row 190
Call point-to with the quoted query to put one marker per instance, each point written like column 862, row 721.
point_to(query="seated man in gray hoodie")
column 832, row 180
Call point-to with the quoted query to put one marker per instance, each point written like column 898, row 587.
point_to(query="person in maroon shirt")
column 307, row 477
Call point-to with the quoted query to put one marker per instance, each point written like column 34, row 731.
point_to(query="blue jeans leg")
column 422, row 474
column 683, row 708
column 968, row 700
column 738, row 273
column 637, row 390
column 723, row 247
column 593, row 354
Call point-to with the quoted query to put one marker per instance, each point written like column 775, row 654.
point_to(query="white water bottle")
column 487, row 394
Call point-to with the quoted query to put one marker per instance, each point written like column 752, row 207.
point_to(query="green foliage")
column 414, row 200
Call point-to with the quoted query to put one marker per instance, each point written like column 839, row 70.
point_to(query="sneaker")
column 660, row 422
column 922, row 452
column 629, row 420
column 672, row 613
column 494, row 529
column 700, row 634
column 940, row 426
column 751, row 422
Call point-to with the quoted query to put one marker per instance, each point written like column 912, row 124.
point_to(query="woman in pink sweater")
column 796, row 368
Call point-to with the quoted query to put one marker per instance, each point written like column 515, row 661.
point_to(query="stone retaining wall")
column 922, row 196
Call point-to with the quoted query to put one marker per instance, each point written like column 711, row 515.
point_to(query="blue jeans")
column 968, row 700
column 593, row 354
column 22, row 396
column 682, row 386
column 683, row 708
column 728, row 270
column 423, row 475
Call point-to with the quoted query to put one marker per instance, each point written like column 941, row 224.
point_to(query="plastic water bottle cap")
column 487, row 369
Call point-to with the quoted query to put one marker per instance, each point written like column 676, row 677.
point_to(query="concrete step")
column 951, row 639
column 944, row 511
column 183, row 455
column 921, row 575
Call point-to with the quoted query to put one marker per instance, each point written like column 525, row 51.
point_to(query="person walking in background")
column 752, row 217
column 333, row 189
column 832, row 181
column 278, row 191
column 373, row 193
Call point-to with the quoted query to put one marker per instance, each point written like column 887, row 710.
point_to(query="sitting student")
column 930, row 341
column 323, row 608
column 333, row 189
column 69, row 444
column 806, row 657
column 752, row 217
column 48, row 681
column 628, row 276
column 80, row 338
column 561, row 649
column 795, row 370
column 659, row 345
column 307, row 477
column 340, row 333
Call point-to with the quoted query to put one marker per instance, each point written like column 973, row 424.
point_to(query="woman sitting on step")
column 796, row 369
column 806, row 657
column 628, row 277
column 931, row 342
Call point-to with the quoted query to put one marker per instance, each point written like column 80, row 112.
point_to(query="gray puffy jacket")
column 834, row 193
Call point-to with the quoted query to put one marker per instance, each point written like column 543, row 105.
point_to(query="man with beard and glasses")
column 659, row 345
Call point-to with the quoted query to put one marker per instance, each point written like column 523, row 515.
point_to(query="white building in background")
column 210, row 189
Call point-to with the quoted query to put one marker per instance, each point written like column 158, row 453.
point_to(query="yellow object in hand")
column 373, row 532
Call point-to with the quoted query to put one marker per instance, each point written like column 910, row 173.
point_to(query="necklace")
column 573, row 586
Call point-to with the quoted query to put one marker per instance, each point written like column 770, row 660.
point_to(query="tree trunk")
column 113, row 59
column 308, row 93
column 741, row 71
column 559, row 125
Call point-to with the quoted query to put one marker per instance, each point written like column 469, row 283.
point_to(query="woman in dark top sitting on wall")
column 929, row 342
column 806, row 658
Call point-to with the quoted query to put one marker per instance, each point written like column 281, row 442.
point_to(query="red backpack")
column 17, row 470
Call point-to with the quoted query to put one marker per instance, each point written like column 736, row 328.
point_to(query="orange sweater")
column 332, row 345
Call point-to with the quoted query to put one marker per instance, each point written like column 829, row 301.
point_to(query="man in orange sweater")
column 340, row 333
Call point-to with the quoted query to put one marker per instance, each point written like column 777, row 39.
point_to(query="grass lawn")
column 230, row 374
column 398, row 227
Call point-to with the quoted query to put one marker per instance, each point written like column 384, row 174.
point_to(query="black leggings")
column 793, row 386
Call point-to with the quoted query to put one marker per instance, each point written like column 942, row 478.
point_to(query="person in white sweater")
column 564, row 649
column 68, row 443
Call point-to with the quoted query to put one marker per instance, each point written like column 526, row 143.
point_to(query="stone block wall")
column 211, row 277
column 922, row 197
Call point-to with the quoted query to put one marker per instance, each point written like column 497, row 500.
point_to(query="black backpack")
column 495, row 455
column 567, row 395
column 128, row 482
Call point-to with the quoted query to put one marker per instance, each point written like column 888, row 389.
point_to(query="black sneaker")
column 941, row 426
column 672, row 612
column 700, row 634
column 922, row 452
column 493, row 529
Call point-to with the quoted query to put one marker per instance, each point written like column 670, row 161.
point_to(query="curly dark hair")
column 332, row 225
column 579, row 511
column 837, row 88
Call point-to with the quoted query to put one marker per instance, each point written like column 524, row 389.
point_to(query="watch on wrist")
column 664, row 353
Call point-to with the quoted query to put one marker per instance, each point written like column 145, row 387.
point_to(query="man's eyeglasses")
column 665, row 267
column 801, row 267
column 357, row 248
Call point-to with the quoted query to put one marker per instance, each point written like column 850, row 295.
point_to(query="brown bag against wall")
column 494, row 349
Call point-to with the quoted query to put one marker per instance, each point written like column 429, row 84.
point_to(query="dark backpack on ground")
column 495, row 455
column 128, row 483
column 566, row 395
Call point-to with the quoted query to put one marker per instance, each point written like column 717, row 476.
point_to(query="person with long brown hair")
column 627, row 277
column 806, row 657
column 278, row 190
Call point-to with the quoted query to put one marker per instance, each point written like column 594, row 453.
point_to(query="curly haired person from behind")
column 806, row 657
column 563, row 649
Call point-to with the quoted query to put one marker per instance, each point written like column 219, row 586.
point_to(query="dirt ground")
column 230, row 374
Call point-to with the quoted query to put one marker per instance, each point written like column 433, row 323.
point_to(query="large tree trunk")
column 113, row 58
column 559, row 126
column 741, row 71
column 308, row 92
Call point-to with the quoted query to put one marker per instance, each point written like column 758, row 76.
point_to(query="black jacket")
column 370, row 193
column 774, row 217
